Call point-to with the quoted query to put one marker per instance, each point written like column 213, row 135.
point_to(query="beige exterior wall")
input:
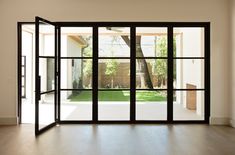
column 215, row 11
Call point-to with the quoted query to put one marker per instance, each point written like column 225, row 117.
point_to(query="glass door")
column 151, row 73
column 114, row 74
column 45, row 75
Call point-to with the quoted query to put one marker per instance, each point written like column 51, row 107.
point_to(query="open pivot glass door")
column 45, row 75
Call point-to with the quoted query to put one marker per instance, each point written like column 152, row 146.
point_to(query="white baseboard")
column 232, row 123
column 219, row 121
column 8, row 120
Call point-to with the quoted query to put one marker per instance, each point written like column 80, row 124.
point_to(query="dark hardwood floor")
column 118, row 140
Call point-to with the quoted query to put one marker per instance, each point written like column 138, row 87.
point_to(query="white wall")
column 64, row 66
column 69, row 48
column 191, row 71
column 27, row 50
column 73, row 49
column 215, row 11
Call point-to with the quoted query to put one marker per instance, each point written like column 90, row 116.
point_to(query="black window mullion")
column 133, row 75
column 55, row 76
column 37, row 77
column 95, row 75
column 170, row 74
column 207, row 73
column 59, row 72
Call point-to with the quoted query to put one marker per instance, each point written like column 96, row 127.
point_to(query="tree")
column 111, row 69
column 112, row 64
column 159, row 66
column 87, row 68
column 145, row 76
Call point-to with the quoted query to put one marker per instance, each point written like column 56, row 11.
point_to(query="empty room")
column 117, row 77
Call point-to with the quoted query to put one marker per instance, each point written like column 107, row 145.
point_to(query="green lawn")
column 119, row 96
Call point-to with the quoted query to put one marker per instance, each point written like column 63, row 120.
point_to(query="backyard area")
column 119, row 96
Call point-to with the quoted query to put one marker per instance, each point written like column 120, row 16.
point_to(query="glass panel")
column 189, row 42
column 151, row 42
column 114, row 73
column 22, row 91
column 76, row 42
column 23, row 81
column 114, row 42
column 188, row 105
column 151, row 73
column 114, row 105
column 76, row 74
column 23, row 70
column 76, row 105
column 27, row 41
column 189, row 72
column 46, row 40
column 47, row 73
column 46, row 110
column 151, row 105
column 22, row 58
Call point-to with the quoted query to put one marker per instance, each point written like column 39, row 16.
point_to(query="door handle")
column 38, row 88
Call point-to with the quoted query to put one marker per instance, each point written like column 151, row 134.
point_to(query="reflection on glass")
column 114, row 73
column 114, row 105
column 46, row 109
column 151, row 105
column 114, row 42
column 151, row 42
column 47, row 73
column 76, row 73
column 189, row 42
column 46, row 40
column 188, row 105
column 151, row 73
column 76, row 105
column 188, row 72
column 76, row 42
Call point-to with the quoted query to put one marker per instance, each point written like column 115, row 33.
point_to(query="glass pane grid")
column 114, row 42
column 114, row 105
column 114, row 73
column 189, row 42
column 189, row 89
column 75, row 89
column 103, row 89
column 189, row 58
column 76, row 105
column 189, row 73
column 76, row 73
column 151, row 57
column 76, row 57
column 46, row 40
column 78, row 42
column 114, row 57
column 151, row 73
column 151, row 105
column 189, row 105
column 157, row 89
column 113, row 92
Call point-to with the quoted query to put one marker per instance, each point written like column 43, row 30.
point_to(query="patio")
column 107, row 110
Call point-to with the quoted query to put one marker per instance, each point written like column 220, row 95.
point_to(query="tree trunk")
column 112, row 82
column 90, row 82
column 142, row 62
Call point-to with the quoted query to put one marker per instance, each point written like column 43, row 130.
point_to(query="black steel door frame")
column 38, row 92
column 132, row 25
